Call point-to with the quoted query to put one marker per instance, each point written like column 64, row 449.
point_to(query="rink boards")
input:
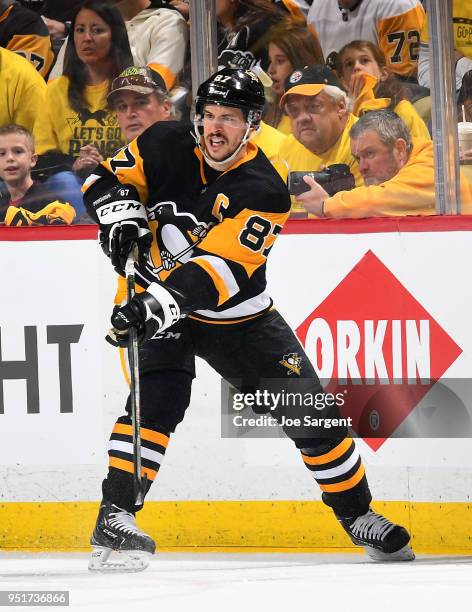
column 63, row 389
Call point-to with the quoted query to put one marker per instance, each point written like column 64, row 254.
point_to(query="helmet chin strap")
column 224, row 164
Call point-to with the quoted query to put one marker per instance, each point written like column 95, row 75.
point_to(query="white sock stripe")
column 127, row 447
column 343, row 468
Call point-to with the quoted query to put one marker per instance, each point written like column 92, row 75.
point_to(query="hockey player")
column 224, row 198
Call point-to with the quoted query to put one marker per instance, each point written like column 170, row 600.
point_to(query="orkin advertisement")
column 384, row 333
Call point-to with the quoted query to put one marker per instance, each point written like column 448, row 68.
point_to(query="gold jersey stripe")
column 146, row 434
column 218, row 281
column 333, row 454
column 350, row 483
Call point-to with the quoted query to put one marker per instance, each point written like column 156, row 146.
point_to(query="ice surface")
column 248, row 582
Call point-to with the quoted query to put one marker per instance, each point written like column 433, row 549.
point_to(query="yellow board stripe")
column 128, row 466
column 436, row 527
column 345, row 484
column 146, row 434
column 333, row 454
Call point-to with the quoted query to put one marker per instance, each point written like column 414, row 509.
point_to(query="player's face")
column 354, row 61
column 223, row 129
column 92, row 37
column 377, row 162
column 317, row 121
column 280, row 68
column 16, row 159
column 136, row 112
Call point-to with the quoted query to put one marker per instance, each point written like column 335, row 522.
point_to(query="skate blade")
column 404, row 554
column 120, row 561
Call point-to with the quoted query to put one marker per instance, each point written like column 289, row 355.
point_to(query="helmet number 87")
column 255, row 232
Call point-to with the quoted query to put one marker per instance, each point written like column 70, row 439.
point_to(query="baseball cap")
column 139, row 79
column 309, row 81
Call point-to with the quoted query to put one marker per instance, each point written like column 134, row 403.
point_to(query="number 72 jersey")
column 212, row 231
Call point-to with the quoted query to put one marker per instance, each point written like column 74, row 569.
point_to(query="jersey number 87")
column 255, row 233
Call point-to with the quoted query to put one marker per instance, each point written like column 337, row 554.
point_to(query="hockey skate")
column 381, row 539
column 116, row 536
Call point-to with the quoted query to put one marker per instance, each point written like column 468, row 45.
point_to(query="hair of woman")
column 120, row 50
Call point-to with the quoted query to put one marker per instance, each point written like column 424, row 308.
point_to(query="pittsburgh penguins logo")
column 176, row 234
column 293, row 363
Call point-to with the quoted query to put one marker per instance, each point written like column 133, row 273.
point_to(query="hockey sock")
column 118, row 486
column 340, row 475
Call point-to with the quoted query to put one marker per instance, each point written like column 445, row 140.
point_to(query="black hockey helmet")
column 233, row 87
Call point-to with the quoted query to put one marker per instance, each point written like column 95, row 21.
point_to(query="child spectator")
column 291, row 46
column 363, row 72
column 77, row 129
column 30, row 202
column 393, row 25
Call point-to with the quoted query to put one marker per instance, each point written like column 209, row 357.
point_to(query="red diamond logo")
column 373, row 339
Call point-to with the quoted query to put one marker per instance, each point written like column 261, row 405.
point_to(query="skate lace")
column 371, row 525
column 123, row 521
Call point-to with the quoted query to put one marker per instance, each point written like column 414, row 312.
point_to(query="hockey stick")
column 140, row 483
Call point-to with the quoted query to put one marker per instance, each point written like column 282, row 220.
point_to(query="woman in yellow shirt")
column 77, row 129
column 363, row 72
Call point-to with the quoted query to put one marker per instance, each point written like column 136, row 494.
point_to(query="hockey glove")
column 151, row 312
column 123, row 223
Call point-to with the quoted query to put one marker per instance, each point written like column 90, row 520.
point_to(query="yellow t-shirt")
column 269, row 140
column 285, row 125
column 410, row 192
column 299, row 159
column 462, row 27
column 63, row 129
column 22, row 91
column 366, row 101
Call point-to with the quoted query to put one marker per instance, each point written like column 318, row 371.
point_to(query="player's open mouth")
column 216, row 142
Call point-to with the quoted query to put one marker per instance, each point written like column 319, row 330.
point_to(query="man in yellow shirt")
column 398, row 174
column 317, row 107
column 22, row 91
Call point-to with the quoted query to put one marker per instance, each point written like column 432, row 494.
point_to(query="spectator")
column 318, row 109
column 291, row 46
column 77, row 129
column 462, row 25
column 22, row 91
column 398, row 174
column 394, row 26
column 139, row 98
column 370, row 84
column 243, row 30
column 30, row 203
column 157, row 35
column 24, row 32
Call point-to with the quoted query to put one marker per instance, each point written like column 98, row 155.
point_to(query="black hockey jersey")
column 212, row 232
column 24, row 32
